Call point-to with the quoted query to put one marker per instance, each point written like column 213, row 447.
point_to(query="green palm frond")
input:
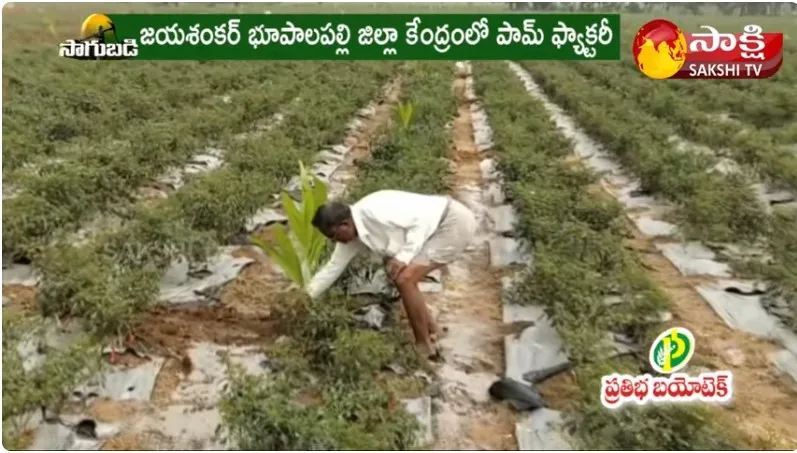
column 297, row 250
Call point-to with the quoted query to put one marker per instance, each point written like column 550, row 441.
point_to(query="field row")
column 111, row 279
column 89, row 175
column 717, row 199
column 345, row 368
column 714, row 206
column 564, row 217
column 764, row 146
column 50, row 115
column 118, row 271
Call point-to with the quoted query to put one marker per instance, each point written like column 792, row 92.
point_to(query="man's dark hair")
column 331, row 215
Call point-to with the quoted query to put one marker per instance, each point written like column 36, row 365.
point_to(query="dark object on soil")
column 242, row 238
column 521, row 396
column 186, row 366
column 741, row 292
column 87, row 428
column 436, row 357
column 535, row 377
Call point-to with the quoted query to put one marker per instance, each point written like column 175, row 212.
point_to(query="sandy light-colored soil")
column 765, row 405
column 470, row 308
column 21, row 299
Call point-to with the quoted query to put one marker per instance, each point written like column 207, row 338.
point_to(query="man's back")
column 386, row 219
column 397, row 199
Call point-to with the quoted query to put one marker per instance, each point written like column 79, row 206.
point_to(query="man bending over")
column 414, row 233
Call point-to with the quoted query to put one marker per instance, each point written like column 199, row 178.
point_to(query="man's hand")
column 394, row 268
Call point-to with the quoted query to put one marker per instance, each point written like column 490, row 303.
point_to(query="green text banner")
column 371, row 37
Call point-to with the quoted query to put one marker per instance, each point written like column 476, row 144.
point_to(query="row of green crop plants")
column 334, row 368
column 712, row 207
column 756, row 149
column 55, row 103
column 115, row 276
column 579, row 260
column 96, row 174
column 117, row 273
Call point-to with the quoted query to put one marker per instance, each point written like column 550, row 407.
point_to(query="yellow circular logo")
column 98, row 26
column 659, row 49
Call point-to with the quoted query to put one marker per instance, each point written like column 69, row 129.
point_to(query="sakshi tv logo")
column 669, row 353
column 98, row 41
column 662, row 51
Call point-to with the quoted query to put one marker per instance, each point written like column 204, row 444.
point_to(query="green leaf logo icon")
column 672, row 350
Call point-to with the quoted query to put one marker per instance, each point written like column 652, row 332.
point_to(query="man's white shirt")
column 390, row 223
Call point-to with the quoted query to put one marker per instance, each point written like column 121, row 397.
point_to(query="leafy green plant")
column 298, row 250
column 28, row 387
column 405, row 111
column 269, row 414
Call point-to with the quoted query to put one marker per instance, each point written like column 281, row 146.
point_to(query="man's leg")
column 421, row 320
column 452, row 237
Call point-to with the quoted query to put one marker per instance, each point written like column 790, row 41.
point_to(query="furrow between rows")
column 737, row 303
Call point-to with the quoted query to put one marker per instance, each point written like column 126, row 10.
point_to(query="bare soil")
column 125, row 442
column 173, row 330
column 561, row 392
column 763, row 412
column 470, row 307
column 22, row 299
column 765, row 405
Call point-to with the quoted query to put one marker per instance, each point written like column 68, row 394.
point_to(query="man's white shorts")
column 454, row 234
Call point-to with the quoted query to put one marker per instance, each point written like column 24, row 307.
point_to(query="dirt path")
column 361, row 143
column 764, row 406
column 470, row 307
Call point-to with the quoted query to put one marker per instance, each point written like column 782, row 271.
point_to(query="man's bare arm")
column 332, row 270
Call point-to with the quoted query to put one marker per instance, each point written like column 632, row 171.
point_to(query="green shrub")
column 77, row 282
column 359, row 355
column 47, row 384
column 265, row 414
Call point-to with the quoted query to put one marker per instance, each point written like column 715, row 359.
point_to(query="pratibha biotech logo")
column 669, row 353
column 98, row 41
